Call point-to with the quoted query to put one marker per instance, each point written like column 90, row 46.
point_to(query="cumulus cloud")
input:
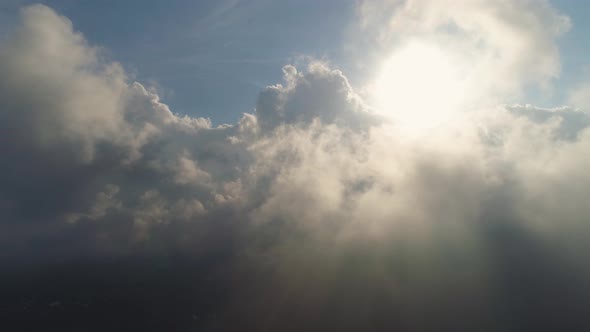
column 323, row 204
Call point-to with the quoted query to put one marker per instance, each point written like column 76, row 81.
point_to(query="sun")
column 419, row 86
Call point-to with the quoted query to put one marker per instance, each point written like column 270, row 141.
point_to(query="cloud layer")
column 331, row 217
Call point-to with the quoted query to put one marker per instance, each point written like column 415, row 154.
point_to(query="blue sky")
column 575, row 44
column 199, row 53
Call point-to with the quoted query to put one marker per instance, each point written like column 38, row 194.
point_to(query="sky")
column 373, row 165
column 191, row 51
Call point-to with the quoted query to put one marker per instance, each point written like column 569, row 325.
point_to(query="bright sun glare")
column 419, row 86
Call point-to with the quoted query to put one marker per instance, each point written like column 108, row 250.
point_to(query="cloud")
column 321, row 93
column 504, row 45
column 569, row 122
column 326, row 210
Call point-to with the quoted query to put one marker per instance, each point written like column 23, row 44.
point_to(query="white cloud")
column 313, row 172
column 312, row 153
column 503, row 46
